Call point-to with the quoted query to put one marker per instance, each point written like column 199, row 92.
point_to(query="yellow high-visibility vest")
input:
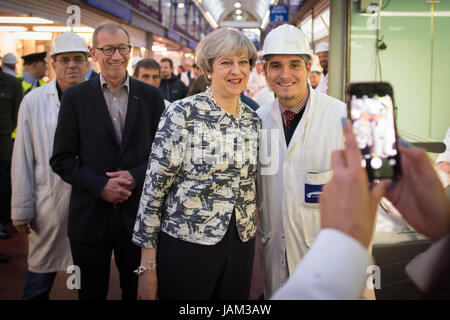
column 26, row 88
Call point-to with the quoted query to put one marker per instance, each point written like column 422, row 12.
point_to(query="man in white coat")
column 300, row 129
column 40, row 199
column 322, row 53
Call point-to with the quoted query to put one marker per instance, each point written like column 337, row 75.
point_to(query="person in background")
column 315, row 76
column 198, row 86
column 9, row 62
column 40, row 199
column 11, row 92
column 180, row 70
column 196, row 222
column 257, row 79
column 322, row 53
column 101, row 147
column 196, row 73
column 149, row 71
column 348, row 215
column 187, row 76
column 91, row 73
column 34, row 69
column 173, row 88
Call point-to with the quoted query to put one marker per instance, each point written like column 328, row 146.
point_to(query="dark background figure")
column 173, row 88
column 11, row 94
column 34, row 69
column 102, row 143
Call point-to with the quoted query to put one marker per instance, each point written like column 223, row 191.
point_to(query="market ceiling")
column 239, row 13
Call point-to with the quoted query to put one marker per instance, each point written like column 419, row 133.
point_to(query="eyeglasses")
column 66, row 60
column 109, row 51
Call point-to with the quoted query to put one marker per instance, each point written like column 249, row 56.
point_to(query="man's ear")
column 308, row 67
column 92, row 51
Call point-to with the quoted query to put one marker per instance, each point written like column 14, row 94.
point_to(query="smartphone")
column 371, row 110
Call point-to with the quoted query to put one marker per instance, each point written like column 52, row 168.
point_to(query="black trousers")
column 200, row 272
column 5, row 191
column 94, row 261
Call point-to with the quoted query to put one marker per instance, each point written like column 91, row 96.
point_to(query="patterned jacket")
column 203, row 165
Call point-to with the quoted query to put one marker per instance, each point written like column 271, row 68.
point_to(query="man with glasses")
column 40, row 199
column 102, row 143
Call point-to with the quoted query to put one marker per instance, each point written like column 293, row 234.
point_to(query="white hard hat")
column 9, row 58
column 315, row 68
column 68, row 42
column 286, row 39
column 322, row 47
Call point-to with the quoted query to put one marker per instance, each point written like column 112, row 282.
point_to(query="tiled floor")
column 12, row 274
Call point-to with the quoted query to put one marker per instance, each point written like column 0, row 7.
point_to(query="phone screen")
column 374, row 128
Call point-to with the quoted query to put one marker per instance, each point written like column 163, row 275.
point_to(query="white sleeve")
column 334, row 268
column 22, row 166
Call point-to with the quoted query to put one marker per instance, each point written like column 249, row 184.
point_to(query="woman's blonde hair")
column 223, row 42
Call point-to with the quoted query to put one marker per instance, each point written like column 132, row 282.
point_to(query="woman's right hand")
column 148, row 285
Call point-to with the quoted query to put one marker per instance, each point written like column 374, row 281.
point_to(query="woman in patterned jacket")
column 197, row 214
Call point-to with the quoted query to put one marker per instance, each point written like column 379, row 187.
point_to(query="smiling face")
column 287, row 76
column 112, row 67
column 230, row 75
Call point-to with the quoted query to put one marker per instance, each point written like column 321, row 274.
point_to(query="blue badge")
column 313, row 192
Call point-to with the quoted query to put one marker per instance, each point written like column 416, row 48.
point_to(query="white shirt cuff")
column 335, row 267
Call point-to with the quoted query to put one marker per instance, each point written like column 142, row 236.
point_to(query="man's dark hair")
column 146, row 64
column 167, row 60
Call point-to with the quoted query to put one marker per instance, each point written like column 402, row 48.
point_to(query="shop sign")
column 173, row 36
column 113, row 7
column 279, row 13
column 192, row 44
column 144, row 8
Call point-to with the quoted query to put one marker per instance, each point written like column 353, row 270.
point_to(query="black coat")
column 11, row 94
column 173, row 89
column 86, row 147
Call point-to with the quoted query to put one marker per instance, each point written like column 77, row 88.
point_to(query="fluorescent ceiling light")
column 265, row 20
column 63, row 29
column 51, row 29
column 238, row 11
column 239, row 18
column 85, row 35
column 180, row 5
column 33, row 35
column 159, row 48
column 237, row 5
column 409, row 14
column 83, row 29
column 31, row 20
column 12, row 29
column 211, row 20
